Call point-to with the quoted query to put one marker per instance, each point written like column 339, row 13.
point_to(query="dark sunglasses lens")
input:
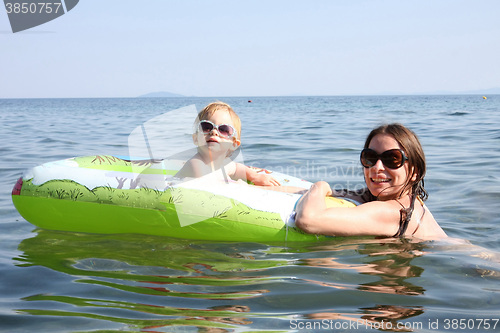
column 393, row 159
column 206, row 127
column 225, row 130
column 368, row 158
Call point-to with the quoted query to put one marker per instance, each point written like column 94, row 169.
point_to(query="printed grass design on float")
column 201, row 203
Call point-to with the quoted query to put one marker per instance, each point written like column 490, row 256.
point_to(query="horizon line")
column 267, row 96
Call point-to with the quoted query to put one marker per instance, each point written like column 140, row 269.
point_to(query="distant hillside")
column 160, row 94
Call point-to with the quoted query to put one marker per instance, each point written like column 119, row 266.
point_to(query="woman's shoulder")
column 428, row 227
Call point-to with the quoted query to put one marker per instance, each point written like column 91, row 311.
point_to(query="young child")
column 217, row 136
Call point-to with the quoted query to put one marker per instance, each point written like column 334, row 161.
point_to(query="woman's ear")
column 414, row 175
column 411, row 175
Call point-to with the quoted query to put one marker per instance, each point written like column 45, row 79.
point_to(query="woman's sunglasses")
column 224, row 130
column 393, row 158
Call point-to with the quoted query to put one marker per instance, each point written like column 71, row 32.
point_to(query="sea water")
column 72, row 282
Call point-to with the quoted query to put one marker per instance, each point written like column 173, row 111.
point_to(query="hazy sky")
column 124, row 48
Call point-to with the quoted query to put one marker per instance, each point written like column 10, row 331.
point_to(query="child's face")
column 213, row 140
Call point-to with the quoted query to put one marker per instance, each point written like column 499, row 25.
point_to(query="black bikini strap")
column 405, row 217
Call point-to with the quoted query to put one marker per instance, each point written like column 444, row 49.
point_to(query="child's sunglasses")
column 393, row 158
column 224, row 130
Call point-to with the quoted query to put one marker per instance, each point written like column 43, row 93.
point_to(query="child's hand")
column 259, row 177
column 263, row 179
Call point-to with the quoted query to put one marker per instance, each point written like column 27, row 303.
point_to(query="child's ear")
column 236, row 143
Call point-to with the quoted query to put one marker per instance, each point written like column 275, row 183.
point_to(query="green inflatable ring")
column 108, row 195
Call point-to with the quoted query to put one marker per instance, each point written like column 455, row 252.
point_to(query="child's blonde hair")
column 211, row 108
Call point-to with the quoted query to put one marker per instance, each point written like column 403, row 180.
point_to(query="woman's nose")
column 379, row 165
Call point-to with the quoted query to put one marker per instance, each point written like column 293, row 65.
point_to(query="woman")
column 392, row 206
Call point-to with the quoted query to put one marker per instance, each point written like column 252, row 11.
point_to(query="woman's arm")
column 377, row 218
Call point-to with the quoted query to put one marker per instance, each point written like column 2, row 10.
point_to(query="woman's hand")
column 322, row 187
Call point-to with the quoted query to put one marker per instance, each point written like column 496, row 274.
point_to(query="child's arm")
column 243, row 172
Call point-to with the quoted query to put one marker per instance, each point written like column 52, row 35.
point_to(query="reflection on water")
column 146, row 282
column 158, row 284
column 389, row 261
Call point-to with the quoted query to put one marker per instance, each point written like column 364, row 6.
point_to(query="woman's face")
column 383, row 182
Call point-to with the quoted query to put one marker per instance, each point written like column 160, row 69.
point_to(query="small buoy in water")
column 249, row 101
column 484, row 97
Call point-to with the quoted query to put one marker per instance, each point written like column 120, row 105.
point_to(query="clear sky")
column 124, row 48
